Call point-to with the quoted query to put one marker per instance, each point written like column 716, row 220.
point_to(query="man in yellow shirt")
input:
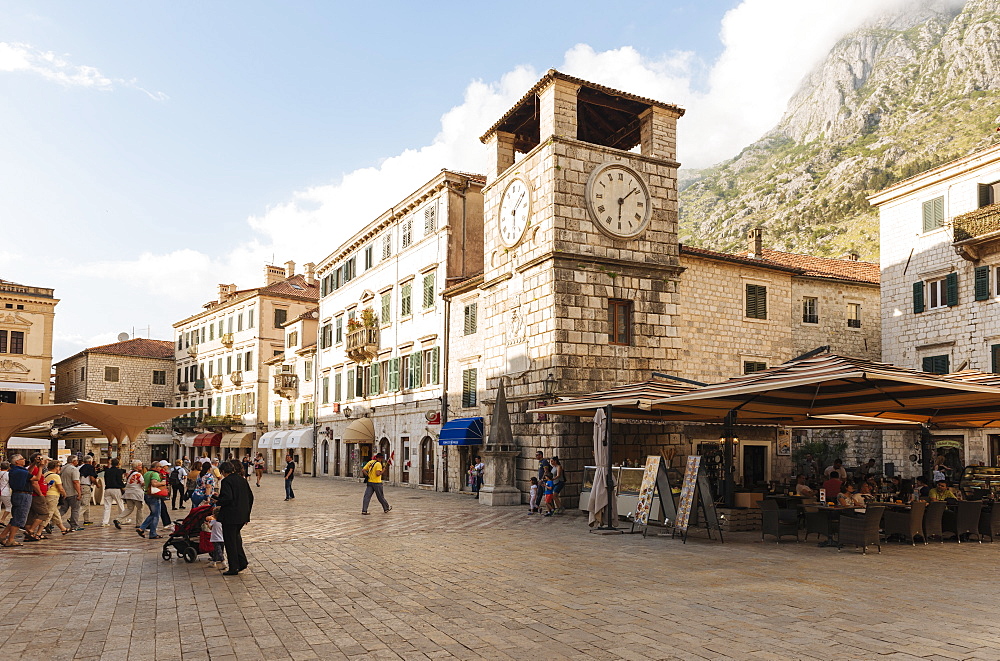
column 372, row 472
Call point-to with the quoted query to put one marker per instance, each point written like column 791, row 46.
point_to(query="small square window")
column 111, row 374
column 620, row 322
column 810, row 310
column 752, row 366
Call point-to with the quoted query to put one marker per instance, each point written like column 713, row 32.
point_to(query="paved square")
column 443, row 577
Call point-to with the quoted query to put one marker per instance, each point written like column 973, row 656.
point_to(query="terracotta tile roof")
column 140, row 347
column 816, row 267
column 825, row 267
column 295, row 286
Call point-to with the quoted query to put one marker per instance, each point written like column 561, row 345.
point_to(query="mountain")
column 905, row 93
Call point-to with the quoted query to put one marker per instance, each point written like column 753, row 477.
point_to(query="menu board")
column 647, row 489
column 688, row 489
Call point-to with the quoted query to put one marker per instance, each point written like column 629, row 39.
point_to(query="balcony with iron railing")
column 199, row 385
column 216, row 421
column 977, row 232
column 362, row 344
column 236, row 377
column 226, row 339
column 216, row 381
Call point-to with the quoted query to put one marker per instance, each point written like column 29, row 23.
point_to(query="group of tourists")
column 39, row 495
column 548, row 485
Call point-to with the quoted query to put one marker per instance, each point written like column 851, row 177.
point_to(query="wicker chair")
column 819, row 522
column 909, row 525
column 967, row 520
column 989, row 522
column 932, row 520
column 777, row 522
column 862, row 531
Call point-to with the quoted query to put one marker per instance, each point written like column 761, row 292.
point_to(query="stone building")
column 293, row 396
column 136, row 372
column 384, row 328
column 940, row 260
column 220, row 354
column 26, row 318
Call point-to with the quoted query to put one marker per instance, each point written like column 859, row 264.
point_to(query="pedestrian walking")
column 176, row 478
column 88, row 480
column 246, row 465
column 153, row 484
column 5, row 502
column 235, row 504
column 191, row 482
column 53, row 484
column 533, row 496
column 74, row 492
column 289, row 476
column 134, row 496
column 476, row 469
column 258, row 467
column 558, row 482
column 372, row 472
column 20, row 499
column 39, row 511
column 114, row 488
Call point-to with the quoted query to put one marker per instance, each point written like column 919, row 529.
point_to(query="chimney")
column 225, row 291
column 273, row 274
column 852, row 257
column 755, row 239
column 310, row 273
column 289, row 269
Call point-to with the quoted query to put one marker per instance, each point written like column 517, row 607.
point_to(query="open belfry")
column 581, row 260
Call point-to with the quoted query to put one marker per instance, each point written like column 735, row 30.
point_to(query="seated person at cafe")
column 904, row 492
column 942, row 492
column 866, row 492
column 895, row 485
column 847, row 497
column 803, row 489
column 832, row 487
column 838, row 468
column 922, row 490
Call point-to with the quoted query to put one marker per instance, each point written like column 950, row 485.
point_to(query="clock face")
column 515, row 211
column 618, row 200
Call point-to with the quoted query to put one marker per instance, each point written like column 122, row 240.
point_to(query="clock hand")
column 629, row 193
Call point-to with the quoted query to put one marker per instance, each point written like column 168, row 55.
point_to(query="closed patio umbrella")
column 602, row 507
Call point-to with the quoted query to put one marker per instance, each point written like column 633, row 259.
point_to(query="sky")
column 154, row 150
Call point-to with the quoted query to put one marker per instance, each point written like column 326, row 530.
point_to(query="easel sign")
column 655, row 483
column 696, row 488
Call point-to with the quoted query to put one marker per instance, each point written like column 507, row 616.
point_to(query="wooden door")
column 426, row 461
column 405, row 459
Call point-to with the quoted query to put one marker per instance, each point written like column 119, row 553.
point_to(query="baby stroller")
column 185, row 540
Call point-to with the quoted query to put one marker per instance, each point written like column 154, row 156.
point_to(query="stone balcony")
column 286, row 384
column 236, row 377
column 977, row 233
column 362, row 344
column 183, row 387
column 199, row 385
column 216, row 381
column 193, row 350
column 226, row 339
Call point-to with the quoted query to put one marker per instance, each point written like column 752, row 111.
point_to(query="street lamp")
column 550, row 385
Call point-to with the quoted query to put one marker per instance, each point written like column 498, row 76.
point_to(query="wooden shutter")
column 918, row 297
column 386, row 308
column 471, row 318
column 951, row 289
column 416, row 364
column 982, row 283
column 428, row 290
column 394, row 374
column 995, row 358
column 756, row 301
column 373, row 382
column 933, row 213
column 985, row 195
column 350, row 384
column 436, row 365
column 936, row 364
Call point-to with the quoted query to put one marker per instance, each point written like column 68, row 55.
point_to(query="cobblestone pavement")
column 443, row 577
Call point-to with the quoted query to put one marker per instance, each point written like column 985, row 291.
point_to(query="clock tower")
column 581, row 255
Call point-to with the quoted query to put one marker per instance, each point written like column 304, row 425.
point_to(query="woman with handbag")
column 133, row 496
column 205, row 487
column 155, row 494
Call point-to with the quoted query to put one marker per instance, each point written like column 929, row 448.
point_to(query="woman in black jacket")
column 235, row 503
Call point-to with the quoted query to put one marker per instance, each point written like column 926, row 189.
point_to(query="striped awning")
column 633, row 400
column 831, row 389
column 208, row 440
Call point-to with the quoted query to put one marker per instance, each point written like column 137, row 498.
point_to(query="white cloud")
column 19, row 57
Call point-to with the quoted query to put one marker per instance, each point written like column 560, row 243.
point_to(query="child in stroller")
column 185, row 540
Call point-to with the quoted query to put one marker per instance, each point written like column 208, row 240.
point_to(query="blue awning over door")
column 462, row 431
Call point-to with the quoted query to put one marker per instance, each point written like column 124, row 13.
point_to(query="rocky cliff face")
column 905, row 93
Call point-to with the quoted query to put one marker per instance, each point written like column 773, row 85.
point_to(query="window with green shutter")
column 982, row 280
column 393, row 374
column 373, row 381
column 752, row 366
column 756, row 299
column 338, row 387
column 350, row 385
column 339, row 334
column 416, row 364
column 435, row 365
column 405, row 299
column 428, row 290
column 386, row 307
column 936, row 364
column 933, row 214
column 325, row 390
column 469, row 383
column 918, row 297
column 951, row 290
column 995, row 358
column 471, row 319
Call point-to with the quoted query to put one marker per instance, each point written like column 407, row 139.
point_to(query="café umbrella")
column 602, row 507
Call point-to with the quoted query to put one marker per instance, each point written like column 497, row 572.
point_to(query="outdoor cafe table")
column 832, row 511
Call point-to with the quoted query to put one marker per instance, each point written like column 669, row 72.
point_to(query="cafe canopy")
column 833, row 388
column 121, row 423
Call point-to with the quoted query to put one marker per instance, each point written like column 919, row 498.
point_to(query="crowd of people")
column 39, row 496
column 865, row 485
column 546, row 487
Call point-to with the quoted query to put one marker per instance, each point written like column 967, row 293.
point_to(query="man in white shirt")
column 838, row 468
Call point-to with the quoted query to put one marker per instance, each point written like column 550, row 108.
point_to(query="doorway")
column 326, row 457
column 994, row 443
column 8, row 396
column 754, row 465
column 383, row 447
column 427, row 461
column 404, row 475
